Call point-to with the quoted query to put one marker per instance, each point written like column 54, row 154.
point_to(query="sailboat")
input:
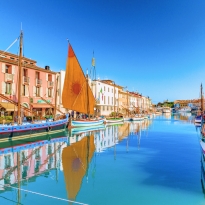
column 75, row 160
column 77, row 95
column 199, row 116
column 27, row 129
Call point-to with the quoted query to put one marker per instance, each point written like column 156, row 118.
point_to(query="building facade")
column 36, row 83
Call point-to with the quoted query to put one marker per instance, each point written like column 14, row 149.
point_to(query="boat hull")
column 86, row 123
column 111, row 121
column 27, row 130
column 137, row 118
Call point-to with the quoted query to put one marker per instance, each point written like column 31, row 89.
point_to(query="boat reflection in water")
column 203, row 171
column 76, row 159
column 72, row 155
column 22, row 162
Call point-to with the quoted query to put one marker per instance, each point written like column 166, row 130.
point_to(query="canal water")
column 156, row 161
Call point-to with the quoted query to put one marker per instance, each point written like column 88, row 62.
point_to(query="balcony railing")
column 38, row 82
column 26, row 80
column 9, row 77
column 50, row 83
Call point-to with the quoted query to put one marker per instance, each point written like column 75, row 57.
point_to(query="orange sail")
column 75, row 159
column 77, row 94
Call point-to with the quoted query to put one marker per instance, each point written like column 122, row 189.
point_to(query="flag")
column 93, row 62
column 101, row 90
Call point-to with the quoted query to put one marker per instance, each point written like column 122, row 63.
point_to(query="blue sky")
column 155, row 47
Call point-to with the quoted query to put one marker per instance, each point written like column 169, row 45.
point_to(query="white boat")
column 126, row 118
column 166, row 110
column 86, row 123
column 78, row 130
column 113, row 120
column 184, row 109
column 136, row 118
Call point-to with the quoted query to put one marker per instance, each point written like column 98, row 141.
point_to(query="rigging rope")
column 10, row 46
column 75, row 202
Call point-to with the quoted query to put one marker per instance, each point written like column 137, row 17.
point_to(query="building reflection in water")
column 72, row 154
column 184, row 116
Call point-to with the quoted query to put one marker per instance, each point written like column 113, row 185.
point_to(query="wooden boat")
column 77, row 94
column 114, row 120
column 78, row 130
column 166, row 110
column 27, row 129
column 137, row 118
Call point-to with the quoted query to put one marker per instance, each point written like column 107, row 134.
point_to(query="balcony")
column 26, row 80
column 50, row 84
column 9, row 77
column 38, row 82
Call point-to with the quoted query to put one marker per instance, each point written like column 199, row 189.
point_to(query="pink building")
column 36, row 83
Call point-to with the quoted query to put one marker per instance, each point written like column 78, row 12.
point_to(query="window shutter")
column 13, row 69
column 27, row 90
column 53, row 93
column 41, row 91
column 13, row 88
column 34, row 91
column 46, row 92
column 22, row 91
column 46, row 76
column 3, row 67
column 3, row 87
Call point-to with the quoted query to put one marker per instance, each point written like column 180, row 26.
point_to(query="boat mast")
column 202, row 101
column 20, row 78
column 56, row 97
column 88, row 107
column 127, row 104
column 114, row 101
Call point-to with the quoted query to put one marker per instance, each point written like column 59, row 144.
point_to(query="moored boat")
column 114, row 120
column 27, row 129
column 77, row 90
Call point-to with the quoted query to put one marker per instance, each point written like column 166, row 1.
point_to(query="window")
column 104, row 100
column 24, row 90
column 108, row 100
column 8, row 69
column 103, row 108
column 25, row 72
column 8, row 88
column 37, row 75
column 108, row 89
column 50, row 92
column 107, row 108
column 49, row 77
column 104, row 88
column 37, row 91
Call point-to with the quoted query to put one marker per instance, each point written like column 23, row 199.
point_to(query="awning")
column 8, row 106
column 40, row 105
